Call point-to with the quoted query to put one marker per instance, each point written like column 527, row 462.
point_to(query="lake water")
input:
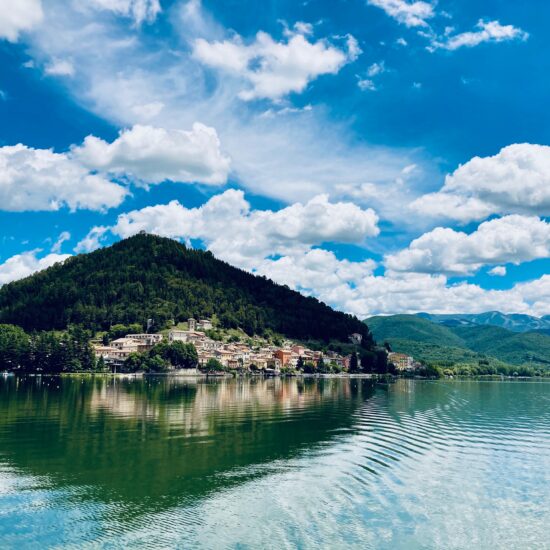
column 339, row 463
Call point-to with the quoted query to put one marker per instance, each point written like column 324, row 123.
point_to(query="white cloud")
column 92, row 241
column 516, row 180
column 411, row 293
column 303, row 28
column 136, row 70
column 376, row 69
column 19, row 16
column 25, row 264
column 511, row 239
column 59, row 67
column 411, row 14
column 373, row 70
column 138, row 10
column 275, row 69
column 154, row 155
column 366, row 84
column 64, row 236
column 245, row 237
column 148, row 111
column 39, row 179
column 487, row 31
column 498, row 271
column 315, row 271
column 270, row 113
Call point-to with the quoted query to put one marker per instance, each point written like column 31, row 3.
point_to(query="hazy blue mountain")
column 516, row 322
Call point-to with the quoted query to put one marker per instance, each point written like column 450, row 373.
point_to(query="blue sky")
column 384, row 155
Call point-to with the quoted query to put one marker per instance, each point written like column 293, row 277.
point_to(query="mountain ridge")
column 516, row 322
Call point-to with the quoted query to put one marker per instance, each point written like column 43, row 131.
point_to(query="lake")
column 271, row 463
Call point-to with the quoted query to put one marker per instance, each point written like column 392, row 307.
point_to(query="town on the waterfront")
column 220, row 351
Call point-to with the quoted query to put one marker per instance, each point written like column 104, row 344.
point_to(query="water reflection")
column 161, row 442
column 274, row 464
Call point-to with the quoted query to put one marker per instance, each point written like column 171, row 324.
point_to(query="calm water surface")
column 164, row 463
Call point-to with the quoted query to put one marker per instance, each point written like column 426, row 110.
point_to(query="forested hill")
column 152, row 277
column 434, row 343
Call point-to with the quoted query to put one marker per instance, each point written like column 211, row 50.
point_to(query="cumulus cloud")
column 235, row 233
column 511, row 239
column 275, row 69
column 411, row 293
column 316, row 271
column 138, row 10
column 486, row 31
column 27, row 263
column 517, row 179
column 154, row 155
column 39, row 179
column 140, row 79
column 59, row 67
column 64, row 236
column 19, row 16
column 92, row 241
column 366, row 84
column 498, row 271
column 411, row 14
column 376, row 69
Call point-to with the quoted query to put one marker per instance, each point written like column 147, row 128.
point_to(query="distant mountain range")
column 456, row 339
column 516, row 322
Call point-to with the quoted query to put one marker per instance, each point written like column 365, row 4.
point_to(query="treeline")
column 484, row 368
column 163, row 357
column 374, row 362
column 148, row 277
column 47, row 352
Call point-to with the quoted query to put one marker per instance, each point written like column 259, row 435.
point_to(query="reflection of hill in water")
column 154, row 443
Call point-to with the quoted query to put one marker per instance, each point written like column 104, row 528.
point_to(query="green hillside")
column 148, row 277
column 445, row 346
column 411, row 327
column 512, row 347
column 443, row 356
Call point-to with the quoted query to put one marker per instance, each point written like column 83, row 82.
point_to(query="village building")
column 128, row 345
column 401, row 361
column 204, row 324
column 148, row 339
column 284, row 356
column 236, row 355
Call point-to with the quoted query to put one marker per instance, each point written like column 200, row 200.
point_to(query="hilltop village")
column 218, row 351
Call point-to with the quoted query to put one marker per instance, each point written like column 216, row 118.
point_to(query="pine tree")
column 353, row 363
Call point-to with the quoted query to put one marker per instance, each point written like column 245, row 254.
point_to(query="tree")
column 300, row 364
column 14, row 347
column 135, row 362
column 321, row 366
column 309, row 367
column 213, row 365
column 100, row 365
column 353, row 363
column 156, row 364
column 180, row 355
column 368, row 362
column 335, row 367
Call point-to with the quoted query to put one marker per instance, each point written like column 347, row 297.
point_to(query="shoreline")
column 385, row 378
